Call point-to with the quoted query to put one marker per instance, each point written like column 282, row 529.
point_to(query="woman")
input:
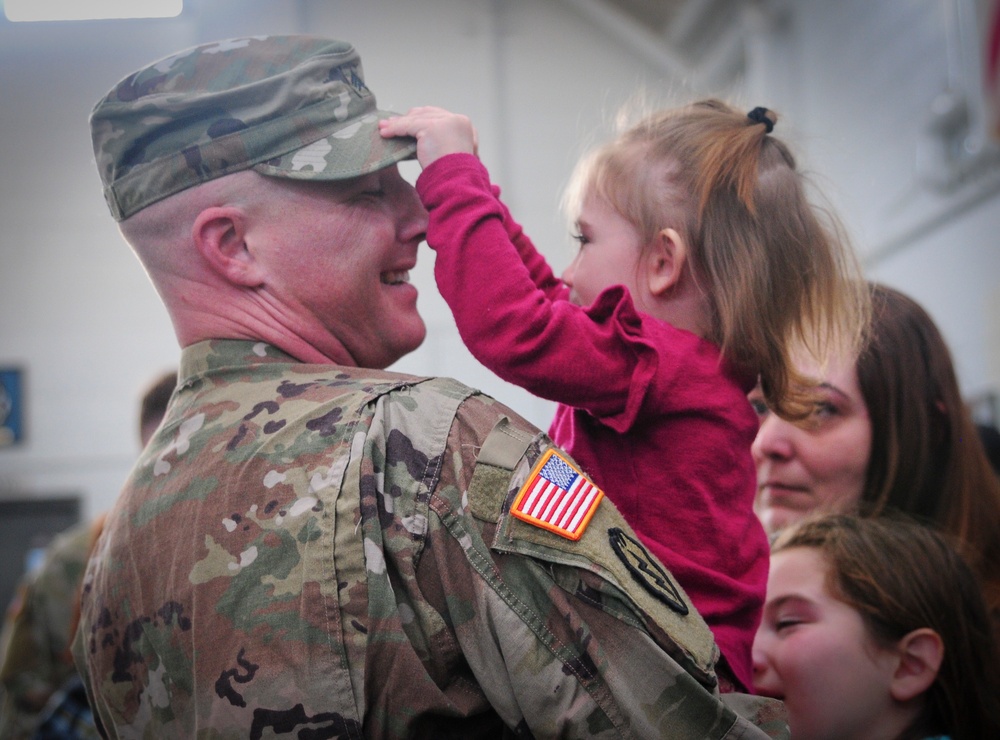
column 891, row 433
column 875, row 628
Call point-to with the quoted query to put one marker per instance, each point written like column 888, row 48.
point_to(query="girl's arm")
column 593, row 358
column 506, row 300
column 439, row 133
column 538, row 267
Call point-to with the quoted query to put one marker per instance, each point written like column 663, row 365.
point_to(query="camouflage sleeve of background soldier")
column 22, row 671
column 35, row 643
column 571, row 639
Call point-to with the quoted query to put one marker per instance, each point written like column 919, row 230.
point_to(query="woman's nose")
column 773, row 440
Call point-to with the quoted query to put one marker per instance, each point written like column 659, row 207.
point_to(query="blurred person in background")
column 41, row 683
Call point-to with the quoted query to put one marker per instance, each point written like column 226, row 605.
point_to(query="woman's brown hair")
column 902, row 576
column 777, row 271
column 927, row 459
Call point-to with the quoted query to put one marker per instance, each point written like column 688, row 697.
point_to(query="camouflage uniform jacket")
column 321, row 551
column 35, row 643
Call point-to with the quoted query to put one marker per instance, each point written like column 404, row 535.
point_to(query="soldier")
column 36, row 667
column 311, row 545
column 37, row 631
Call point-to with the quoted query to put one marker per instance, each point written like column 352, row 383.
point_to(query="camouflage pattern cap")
column 285, row 106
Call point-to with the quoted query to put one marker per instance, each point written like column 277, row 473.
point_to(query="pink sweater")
column 646, row 409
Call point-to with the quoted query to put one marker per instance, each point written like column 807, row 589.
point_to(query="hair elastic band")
column 759, row 115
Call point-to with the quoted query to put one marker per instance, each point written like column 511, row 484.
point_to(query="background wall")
column 856, row 83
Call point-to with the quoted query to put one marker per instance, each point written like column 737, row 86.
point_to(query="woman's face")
column 819, row 464
column 817, row 655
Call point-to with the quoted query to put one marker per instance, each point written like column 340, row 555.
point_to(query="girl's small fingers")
column 398, row 126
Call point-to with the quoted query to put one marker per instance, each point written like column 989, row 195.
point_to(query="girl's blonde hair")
column 778, row 272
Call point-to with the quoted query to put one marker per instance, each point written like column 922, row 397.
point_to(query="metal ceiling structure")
column 699, row 41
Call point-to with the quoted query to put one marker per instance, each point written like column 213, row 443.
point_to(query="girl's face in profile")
column 610, row 248
column 820, row 464
column 816, row 653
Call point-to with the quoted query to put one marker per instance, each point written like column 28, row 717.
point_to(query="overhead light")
column 81, row 10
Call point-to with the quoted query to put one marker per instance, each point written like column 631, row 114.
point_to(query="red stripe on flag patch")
column 557, row 497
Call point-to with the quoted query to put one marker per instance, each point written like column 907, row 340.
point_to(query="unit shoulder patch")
column 557, row 497
column 646, row 570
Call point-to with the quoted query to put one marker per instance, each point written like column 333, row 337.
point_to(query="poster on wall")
column 989, row 15
column 11, row 406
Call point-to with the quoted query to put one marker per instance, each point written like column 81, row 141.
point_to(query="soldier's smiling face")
column 339, row 254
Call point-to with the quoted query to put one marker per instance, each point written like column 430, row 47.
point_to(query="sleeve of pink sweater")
column 512, row 311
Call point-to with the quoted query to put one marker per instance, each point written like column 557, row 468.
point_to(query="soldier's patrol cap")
column 285, row 106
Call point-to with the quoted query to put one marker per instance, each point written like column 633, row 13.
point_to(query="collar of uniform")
column 219, row 354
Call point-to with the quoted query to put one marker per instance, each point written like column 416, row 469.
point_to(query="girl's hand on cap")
column 438, row 132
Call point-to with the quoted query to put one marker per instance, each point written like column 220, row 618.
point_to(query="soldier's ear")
column 219, row 233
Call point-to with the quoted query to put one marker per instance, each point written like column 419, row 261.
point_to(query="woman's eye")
column 824, row 410
column 580, row 239
column 759, row 407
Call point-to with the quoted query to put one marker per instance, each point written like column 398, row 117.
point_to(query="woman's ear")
column 219, row 233
column 919, row 654
column 665, row 261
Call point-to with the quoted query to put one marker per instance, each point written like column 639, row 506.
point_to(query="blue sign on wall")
column 11, row 406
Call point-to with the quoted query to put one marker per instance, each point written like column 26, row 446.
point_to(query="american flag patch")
column 557, row 497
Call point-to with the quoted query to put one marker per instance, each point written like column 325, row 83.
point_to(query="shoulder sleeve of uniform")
column 552, row 512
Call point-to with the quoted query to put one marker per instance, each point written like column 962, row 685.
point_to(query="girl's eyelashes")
column 580, row 238
column 786, row 622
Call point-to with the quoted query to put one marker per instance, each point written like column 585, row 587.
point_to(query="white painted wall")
column 861, row 80
column 541, row 78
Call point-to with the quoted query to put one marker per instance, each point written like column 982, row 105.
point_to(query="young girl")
column 701, row 263
column 876, row 628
